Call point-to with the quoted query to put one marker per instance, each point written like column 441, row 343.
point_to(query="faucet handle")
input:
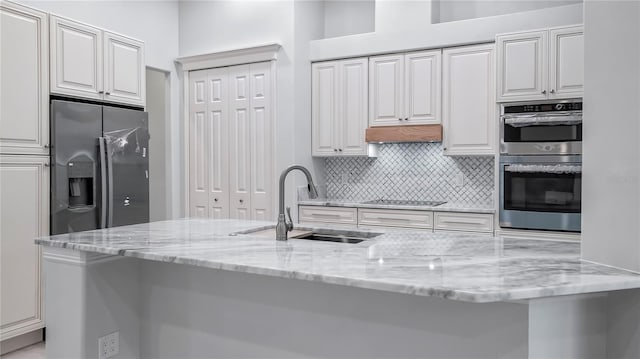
column 290, row 222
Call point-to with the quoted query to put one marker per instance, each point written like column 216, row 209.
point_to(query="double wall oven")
column 541, row 165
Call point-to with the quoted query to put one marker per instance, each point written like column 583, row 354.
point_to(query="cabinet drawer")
column 471, row 222
column 337, row 215
column 395, row 218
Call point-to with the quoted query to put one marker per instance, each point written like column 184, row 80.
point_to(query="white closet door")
column 198, row 145
column 218, row 135
column 240, row 142
column 262, row 176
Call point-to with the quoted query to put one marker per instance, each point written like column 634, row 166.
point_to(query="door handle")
column 109, row 183
column 103, row 181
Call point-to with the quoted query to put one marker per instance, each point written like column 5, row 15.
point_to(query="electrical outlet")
column 460, row 180
column 109, row 345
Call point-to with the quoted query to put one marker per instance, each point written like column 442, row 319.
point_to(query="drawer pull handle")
column 326, row 215
column 462, row 221
column 391, row 219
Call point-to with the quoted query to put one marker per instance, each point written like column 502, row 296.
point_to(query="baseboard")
column 21, row 341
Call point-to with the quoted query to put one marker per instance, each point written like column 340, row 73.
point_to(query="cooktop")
column 404, row 202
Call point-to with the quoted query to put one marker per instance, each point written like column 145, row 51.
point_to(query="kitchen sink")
column 330, row 238
column 317, row 234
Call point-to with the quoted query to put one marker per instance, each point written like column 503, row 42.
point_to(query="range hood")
column 412, row 133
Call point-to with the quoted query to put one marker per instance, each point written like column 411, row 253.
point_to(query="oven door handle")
column 558, row 169
column 542, row 119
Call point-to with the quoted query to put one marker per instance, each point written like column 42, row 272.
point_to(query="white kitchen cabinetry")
column 231, row 142
column 469, row 100
column 395, row 218
column 24, row 216
column 540, row 65
column 89, row 62
column 462, row 221
column 124, row 69
column 24, row 69
column 328, row 215
column 405, row 89
column 339, row 107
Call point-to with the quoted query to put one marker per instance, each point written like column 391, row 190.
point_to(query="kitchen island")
column 218, row 288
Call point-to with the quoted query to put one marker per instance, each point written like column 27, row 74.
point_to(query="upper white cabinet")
column 566, row 66
column 24, row 69
column 91, row 63
column 468, row 100
column 124, row 69
column 405, row 89
column 339, row 107
column 539, row 65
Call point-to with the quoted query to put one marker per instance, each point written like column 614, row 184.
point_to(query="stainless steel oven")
column 541, row 192
column 541, row 128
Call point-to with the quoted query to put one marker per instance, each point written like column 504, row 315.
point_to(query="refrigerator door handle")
column 109, row 183
column 103, row 181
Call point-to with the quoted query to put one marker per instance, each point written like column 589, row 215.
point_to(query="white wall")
column 348, row 17
column 454, row 10
column 611, row 159
column 159, row 151
column 155, row 23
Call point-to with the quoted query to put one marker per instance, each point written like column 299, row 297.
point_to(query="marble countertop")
column 447, row 207
column 465, row 267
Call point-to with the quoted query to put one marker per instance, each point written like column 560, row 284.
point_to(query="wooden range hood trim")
column 411, row 133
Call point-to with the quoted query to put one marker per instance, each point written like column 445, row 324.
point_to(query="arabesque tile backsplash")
column 412, row 171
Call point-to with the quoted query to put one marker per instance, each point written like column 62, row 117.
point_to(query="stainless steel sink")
column 330, row 238
column 317, row 234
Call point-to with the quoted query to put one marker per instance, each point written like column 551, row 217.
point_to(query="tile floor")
column 35, row 351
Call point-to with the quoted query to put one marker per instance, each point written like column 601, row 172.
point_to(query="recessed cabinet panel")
column 468, row 100
column 422, row 87
column 353, row 107
column 566, row 62
column 24, row 207
column 239, row 140
column 324, row 107
column 24, row 111
column 124, row 69
column 522, row 66
column 76, row 59
column 386, row 90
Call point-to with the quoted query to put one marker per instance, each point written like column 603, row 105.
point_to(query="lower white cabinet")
column 397, row 218
column 468, row 98
column 462, row 221
column 24, row 215
column 328, row 215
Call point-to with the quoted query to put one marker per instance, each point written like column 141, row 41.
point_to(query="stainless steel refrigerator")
column 100, row 173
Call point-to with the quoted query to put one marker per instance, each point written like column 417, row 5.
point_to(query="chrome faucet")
column 283, row 227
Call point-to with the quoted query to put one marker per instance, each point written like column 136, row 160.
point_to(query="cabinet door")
column 468, row 100
column 124, row 72
column 386, row 90
column 566, row 62
column 76, row 59
column 24, row 69
column 324, row 108
column 217, row 134
column 199, row 145
column 422, row 84
column 353, row 104
column 261, row 128
column 522, row 66
column 240, row 143
column 24, row 205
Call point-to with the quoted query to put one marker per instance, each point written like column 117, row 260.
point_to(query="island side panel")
column 198, row 312
column 623, row 328
column 87, row 297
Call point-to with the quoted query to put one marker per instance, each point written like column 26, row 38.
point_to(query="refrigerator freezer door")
column 127, row 141
column 75, row 178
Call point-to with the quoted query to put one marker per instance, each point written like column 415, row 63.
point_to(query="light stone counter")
column 473, row 268
column 447, row 207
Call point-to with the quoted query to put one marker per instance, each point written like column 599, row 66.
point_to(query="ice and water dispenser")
column 81, row 174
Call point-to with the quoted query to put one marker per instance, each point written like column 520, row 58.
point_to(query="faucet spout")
column 283, row 227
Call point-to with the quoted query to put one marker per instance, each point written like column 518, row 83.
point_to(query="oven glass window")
column 542, row 192
column 541, row 133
